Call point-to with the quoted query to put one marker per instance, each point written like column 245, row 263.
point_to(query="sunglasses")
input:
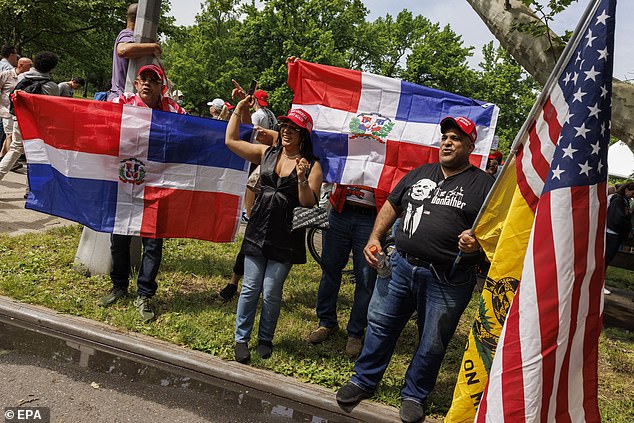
column 287, row 127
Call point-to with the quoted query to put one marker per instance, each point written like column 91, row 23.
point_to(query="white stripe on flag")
column 379, row 94
column 195, row 178
column 562, row 230
column 84, row 165
column 135, row 135
column 364, row 163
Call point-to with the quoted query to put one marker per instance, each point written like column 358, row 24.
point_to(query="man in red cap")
column 439, row 203
column 150, row 86
column 263, row 116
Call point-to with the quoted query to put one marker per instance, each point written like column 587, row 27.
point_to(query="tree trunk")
column 538, row 57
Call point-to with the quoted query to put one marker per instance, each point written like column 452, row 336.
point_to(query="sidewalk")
column 14, row 218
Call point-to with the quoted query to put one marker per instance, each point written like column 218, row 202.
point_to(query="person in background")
column 290, row 176
column 619, row 225
column 40, row 73
column 67, row 89
column 149, row 85
column 9, row 58
column 215, row 107
column 440, row 202
column 351, row 220
column 125, row 49
column 8, row 81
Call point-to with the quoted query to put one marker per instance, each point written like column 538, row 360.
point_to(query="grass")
column 37, row 269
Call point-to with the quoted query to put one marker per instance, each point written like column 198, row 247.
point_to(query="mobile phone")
column 252, row 87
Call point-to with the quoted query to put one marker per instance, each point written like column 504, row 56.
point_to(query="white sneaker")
column 606, row 291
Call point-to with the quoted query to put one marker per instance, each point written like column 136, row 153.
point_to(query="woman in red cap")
column 290, row 176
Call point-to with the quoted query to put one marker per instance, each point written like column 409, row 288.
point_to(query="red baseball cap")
column 300, row 118
column 465, row 124
column 229, row 106
column 263, row 97
column 154, row 69
column 496, row 154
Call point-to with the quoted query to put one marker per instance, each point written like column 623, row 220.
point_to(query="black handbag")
column 310, row 217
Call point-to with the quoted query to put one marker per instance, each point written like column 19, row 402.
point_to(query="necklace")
column 293, row 157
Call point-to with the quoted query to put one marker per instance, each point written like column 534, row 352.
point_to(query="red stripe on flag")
column 71, row 124
column 594, row 320
column 400, row 158
column 550, row 116
column 512, row 377
column 540, row 164
column 170, row 211
column 545, row 270
column 525, row 189
column 328, row 86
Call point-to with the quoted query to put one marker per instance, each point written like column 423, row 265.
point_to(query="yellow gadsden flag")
column 502, row 231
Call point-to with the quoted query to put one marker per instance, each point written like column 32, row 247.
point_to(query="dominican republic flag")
column 131, row 170
column 371, row 130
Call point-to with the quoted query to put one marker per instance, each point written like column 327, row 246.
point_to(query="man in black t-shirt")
column 439, row 203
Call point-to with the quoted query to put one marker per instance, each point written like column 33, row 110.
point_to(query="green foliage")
column 504, row 82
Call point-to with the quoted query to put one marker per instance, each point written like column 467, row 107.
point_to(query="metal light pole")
column 145, row 30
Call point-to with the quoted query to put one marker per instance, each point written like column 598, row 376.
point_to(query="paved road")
column 14, row 218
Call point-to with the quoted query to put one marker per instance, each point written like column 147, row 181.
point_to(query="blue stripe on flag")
column 88, row 201
column 332, row 150
column 194, row 140
column 427, row 105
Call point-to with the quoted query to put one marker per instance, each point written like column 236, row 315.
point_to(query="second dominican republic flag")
column 371, row 130
column 131, row 170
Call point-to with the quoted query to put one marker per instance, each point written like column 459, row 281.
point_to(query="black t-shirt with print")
column 436, row 210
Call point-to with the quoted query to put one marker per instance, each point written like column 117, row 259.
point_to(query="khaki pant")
column 15, row 151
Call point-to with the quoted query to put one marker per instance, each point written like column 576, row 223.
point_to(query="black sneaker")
column 351, row 394
column 228, row 292
column 241, row 352
column 411, row 411
column 113, row 295
column 17, row 166
column 264, row 349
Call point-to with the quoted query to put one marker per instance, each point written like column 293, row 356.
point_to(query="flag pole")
column 563, row 60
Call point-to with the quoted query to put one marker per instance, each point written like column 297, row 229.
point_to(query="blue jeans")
column 266, row 277
column 439, row 306
column 150, row 263
column 349, row 230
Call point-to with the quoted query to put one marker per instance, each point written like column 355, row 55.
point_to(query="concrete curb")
column 146, row 349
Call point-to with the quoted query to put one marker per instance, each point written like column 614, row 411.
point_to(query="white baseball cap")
column 216, row 103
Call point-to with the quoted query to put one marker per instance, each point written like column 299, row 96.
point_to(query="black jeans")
column 150, row 263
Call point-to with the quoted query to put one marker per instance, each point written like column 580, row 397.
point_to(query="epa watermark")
column 27, row 415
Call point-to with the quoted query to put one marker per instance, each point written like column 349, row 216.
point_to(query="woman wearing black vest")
column 290, row 177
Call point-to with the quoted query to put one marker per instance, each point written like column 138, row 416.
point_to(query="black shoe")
column 351, row 394
column 241, row 352
column 264, row 349
column 16, row 166
column 411, row 411
column 228, row 292
column 113, row 295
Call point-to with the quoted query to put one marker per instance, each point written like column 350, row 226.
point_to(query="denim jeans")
column 439, row 308
column 349, row 230
column 260, row 276
column 150, row 263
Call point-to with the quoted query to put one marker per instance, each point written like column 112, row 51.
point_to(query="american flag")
column 545, row 368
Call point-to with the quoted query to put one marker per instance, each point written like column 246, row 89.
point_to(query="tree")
column 538, row 58
column 504, row 82
column 81, row 32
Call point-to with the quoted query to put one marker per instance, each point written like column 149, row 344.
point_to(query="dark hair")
column 79, row 80
column 45, row 61
column 8, row 50
column 620, row 189
column 305, row 144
